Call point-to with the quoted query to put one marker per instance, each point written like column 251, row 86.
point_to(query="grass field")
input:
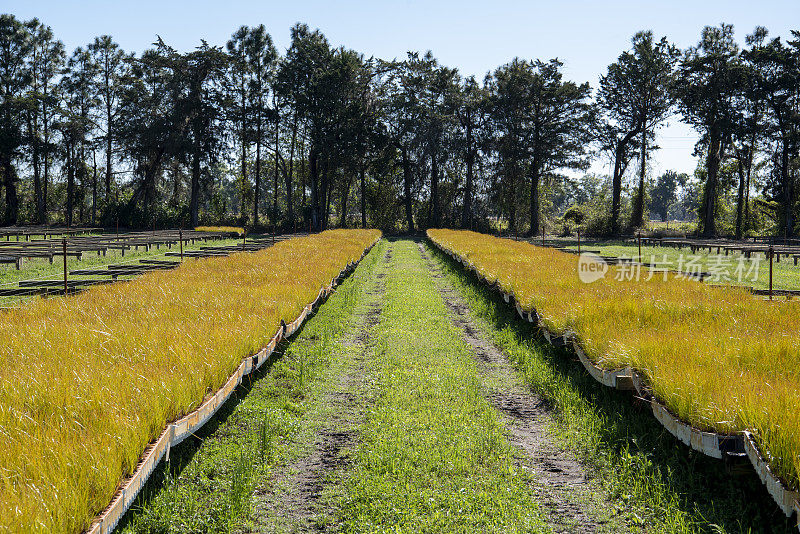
column 40, row 268
column 718, row 358
column 380, row 415
column 755, row 271
column 87, row 381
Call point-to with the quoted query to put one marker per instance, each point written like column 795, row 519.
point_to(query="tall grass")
column 718, row 358
column 227, row 229
column 87, row 382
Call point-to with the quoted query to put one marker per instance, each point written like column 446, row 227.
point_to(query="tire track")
column 298, row 488
column 571, row 499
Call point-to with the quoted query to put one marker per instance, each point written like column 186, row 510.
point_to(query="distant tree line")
column 321, row 136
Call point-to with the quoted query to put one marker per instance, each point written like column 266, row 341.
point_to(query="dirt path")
column 571, row 500
column 299, row 497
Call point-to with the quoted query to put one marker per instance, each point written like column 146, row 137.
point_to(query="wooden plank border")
column 176, row 432
column 715, row 445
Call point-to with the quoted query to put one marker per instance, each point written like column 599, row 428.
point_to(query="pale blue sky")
column 475, row 37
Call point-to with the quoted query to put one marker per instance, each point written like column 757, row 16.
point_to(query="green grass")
column 432, row 455
column 41, row 268
column 649, row 475
column 785, row 274
column 209, row 482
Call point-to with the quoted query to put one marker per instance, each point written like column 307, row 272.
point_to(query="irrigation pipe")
column 176, row 432
column 715, row 445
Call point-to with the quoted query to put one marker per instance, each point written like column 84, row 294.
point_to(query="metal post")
column 64, row 250
column 770, row 254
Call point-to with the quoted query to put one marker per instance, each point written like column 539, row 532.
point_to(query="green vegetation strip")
column 650, row 478
column 208, row 484
column 432, row 454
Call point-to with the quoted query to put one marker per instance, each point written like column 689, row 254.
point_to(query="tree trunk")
column 37, row 179
column 194, row 196
column 325, row 198
column 637, row 216
column 314, row 179
column 788, row 188
column 466, row 215
column 616, row 189
column 710, row 198
column 108, row 152
column 435, row 216
column 407, row 190
column 257, row 188
column 740, row 195
column 535, row 222
column 94, row 186
column 616, row 182
column 290, row 177
column 345, row 194
column 9, row 180
column 362, row 177
column 70, row 183
column 277, row 148
column 46, row 174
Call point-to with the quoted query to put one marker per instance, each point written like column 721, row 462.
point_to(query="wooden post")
column 640, row 246
column 542, row 234
column 273, row 232
column 579, row 240
column 770, row 254
column 180, row 239
column 64, row 250
column 244, row 238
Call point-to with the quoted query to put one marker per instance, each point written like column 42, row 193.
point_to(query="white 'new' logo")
column 591, row 268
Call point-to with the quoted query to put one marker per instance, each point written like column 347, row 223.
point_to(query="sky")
column 475, row 37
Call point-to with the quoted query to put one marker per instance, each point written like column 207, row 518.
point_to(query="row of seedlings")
column 729, row 447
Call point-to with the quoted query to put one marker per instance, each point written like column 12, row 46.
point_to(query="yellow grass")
column 718, row 358
column 87, row 381
column 226, row 229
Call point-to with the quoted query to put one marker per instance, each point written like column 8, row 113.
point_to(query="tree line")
column 320, row 136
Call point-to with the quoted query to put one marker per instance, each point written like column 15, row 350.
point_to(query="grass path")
column 573, row 500
column 301, row 494
column 432, row 455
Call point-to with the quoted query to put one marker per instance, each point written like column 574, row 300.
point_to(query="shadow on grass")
column 630, row 448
